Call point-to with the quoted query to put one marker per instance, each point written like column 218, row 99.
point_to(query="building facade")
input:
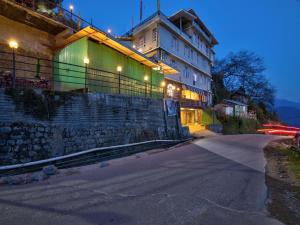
column 183, row 42
column 59, row 51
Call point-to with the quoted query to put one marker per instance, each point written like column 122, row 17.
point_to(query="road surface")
column 218, row 180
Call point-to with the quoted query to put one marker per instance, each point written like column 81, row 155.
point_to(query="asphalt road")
column 219, row 180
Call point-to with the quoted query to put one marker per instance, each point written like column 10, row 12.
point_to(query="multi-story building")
column 185, row 43
column 58, row 50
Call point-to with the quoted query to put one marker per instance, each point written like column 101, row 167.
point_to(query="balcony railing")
column 56, row 12
column 22, row 71
column 189, row 103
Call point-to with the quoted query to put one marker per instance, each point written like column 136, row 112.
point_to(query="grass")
column 235, row 125
column 293, row 159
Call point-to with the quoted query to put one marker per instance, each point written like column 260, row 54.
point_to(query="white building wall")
column 147, row 40
column 193, row 58
column 185, row 58
column 175, row 45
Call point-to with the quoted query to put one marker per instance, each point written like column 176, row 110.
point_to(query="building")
column 232, row 108
column 60, row 51
column 183, row 42
column 92, row 60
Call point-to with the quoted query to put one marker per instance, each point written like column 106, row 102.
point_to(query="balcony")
column 44, row 15
column 188, row 103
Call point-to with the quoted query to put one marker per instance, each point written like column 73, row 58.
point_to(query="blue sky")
column 269, row 27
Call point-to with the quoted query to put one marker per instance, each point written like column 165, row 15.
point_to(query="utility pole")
column 141, row 10
column 158, row 6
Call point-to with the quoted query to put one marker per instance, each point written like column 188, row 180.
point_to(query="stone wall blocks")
column 5, row 130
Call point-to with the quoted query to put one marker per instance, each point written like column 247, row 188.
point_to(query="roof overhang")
column 167, row 69
column 110, row 41
column 203, row 26
column 182, row 14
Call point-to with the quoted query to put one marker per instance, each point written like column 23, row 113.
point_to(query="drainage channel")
column 87, row 157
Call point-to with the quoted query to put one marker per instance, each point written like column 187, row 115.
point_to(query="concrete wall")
column 36, row 125
column 32, row 41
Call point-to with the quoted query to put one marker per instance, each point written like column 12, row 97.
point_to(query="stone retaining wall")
column 36, row 124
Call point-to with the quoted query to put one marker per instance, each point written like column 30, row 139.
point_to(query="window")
column 195, row 79
column 174, row 63
column 174, row 44
column 163, row 56
column 142, row 42
column 192, row 55
column 186, row 50
column 186, row 72
column 154, row 34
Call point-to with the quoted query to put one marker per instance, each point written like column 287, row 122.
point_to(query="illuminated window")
column 171, row 90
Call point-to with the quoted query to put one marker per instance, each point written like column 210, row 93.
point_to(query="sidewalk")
column 204, row 134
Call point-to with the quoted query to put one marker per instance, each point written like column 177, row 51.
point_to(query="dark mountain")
column 286, row 103
column 288, row 112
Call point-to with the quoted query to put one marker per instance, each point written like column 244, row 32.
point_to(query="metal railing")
column 56, row 12
column 23, row 71
column 189, row 103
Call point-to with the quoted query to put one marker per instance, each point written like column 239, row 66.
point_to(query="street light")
column 119, row 69
column 109, row 31
column 71, row 7
column 146, row 79
column 163, row 85
column 14, row 45
column 86, row 62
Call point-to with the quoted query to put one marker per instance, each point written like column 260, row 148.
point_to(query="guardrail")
column 88, row 157
column 56, row 12
column 23, row 71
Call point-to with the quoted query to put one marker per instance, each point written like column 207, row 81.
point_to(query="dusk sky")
column 271, row 28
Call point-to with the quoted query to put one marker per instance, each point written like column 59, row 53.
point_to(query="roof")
column 234, row 102
column 188, row 14
column 110, row 41
column 202, row 25
column 182, row 13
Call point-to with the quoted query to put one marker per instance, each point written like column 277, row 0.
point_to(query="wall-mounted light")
column 134, row 46
column 163, row 84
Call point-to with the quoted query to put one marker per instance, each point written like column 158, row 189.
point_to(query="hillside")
column 289, row 115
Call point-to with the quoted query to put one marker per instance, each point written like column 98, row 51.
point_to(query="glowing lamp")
column 146, row 78
column 86, row 61
column 119, row 69
column 163, row 84
column 13, row 44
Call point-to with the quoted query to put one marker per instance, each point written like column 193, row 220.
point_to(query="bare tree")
column 245, row 70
